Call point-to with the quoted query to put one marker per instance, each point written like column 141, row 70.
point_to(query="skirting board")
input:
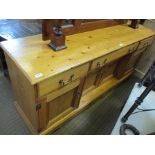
column 139, row 73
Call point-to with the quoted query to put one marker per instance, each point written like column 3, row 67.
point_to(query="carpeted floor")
column 10, row 121
column 99, row 119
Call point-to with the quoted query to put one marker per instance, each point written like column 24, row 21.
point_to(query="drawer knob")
column 61, row 82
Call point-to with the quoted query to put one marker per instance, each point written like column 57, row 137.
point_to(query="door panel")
column 60, row 104
column 57, row 107
column 106, row 72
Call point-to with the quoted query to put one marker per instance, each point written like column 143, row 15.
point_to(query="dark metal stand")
column 150, row 72
column 3, row 61
column 140, row 99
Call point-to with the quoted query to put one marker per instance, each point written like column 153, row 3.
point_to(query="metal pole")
column 150, row 71
column 138, row 101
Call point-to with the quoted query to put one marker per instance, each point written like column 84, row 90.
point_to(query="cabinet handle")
column 146, row 44
column 134, row 48
column 72, row 77
column 61, row 82
column 98, row 64
column 105, row 61
column 129, row 51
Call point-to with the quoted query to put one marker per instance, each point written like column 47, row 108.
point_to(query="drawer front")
column 61, row 80
column 146, row 42
column 113, row 56
column 62, row 90
column 135, row 58
column 139, row 51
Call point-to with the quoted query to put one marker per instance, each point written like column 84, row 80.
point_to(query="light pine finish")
column 134, row 58
column 51, row 87
column 102, row 61
column 106, row 73
column 86, row 101
column 62, row 90
column 60, row 104
column 66, row 77
column 33, row 56
column 50, row 111
column 90, row 82
column 146, row 42
column 139, row 51
column 25, row 95
column 25, row 118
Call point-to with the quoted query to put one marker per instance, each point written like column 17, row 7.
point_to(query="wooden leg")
column 78, row 93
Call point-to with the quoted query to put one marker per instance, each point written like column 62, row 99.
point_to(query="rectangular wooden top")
column 38, row 61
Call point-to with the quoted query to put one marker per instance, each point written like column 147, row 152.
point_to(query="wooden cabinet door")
column 134, row 59
column 97, row 77
column 127, row 63
column 106, row 72
column 52, row 109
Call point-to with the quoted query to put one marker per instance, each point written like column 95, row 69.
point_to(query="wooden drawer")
column 99, row 62
column 62, row 90
column 139, row 51
column 146, row 42
column 60, row 80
